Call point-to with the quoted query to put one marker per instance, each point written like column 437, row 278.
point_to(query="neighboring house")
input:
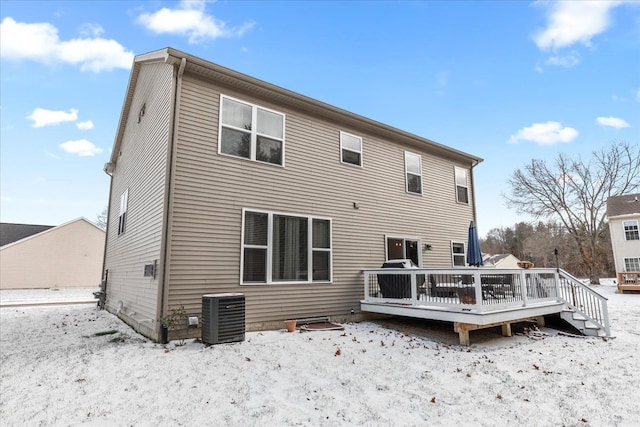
column 221, row 182
column 500, row 261
column 69, row 255
column 10, row 233
column 623, row 213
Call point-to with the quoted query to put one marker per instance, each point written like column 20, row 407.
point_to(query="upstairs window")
column 350, row 149
column 281, row 248
column 462, row 188
column 457, row 254
column 631, row 230
column 251, row 132
column 413, row 172
column 122, row 218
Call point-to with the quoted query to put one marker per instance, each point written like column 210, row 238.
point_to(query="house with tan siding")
column 223, row 183
column 41, row 257
column 623, row 213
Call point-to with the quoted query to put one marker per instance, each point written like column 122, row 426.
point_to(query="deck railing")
column 629, row 278
column 482, row 290
column 584, row 300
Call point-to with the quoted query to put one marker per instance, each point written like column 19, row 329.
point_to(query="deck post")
column 525, row 288
column 366, row 286
column 506, row 329
column 477, row 284
column 414, row 288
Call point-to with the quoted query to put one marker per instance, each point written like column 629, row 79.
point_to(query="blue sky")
column 506, row 81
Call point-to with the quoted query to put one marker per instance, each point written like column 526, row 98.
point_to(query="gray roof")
column 628, row 204
column 10, row 233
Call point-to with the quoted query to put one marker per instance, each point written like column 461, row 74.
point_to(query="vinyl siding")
column 623, row 248
column 211, row 190
column 141, row 167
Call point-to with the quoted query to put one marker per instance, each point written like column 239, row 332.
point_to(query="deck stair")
column 582, row 324
column 585, row 309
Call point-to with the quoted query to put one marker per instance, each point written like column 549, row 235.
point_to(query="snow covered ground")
column 55, row 371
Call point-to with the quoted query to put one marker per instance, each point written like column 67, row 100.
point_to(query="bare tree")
column 575, row 192
column 101, row 219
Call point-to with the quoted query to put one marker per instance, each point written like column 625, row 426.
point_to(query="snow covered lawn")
column 56, row 370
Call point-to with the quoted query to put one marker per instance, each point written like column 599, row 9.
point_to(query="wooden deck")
column 478, row 298
column 629, row 281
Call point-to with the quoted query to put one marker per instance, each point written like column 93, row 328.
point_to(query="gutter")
column 163, row 303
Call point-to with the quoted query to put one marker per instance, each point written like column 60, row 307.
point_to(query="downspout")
column 108, row 169
column 171, row 153
column 473, row 205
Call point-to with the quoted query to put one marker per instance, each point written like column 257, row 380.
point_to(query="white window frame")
column 404, row 246
column 408, row 154
column 455, row 254
column 254, row 130
column 631, row 224
column 457, row 169
column 269, row 247
column 342, row 148
column 634, row 260
column 122, row 216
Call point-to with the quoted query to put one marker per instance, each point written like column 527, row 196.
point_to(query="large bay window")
column 250, row 132
column 285, row 248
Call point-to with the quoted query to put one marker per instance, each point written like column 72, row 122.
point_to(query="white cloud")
column 91, row 30
column 613, row 122
column 548, row 133
column 40, row 42
column 81, row 147
column 571, row 22
column 566, row 61
column 85, row 125
column 189, row 19
column 42, row 117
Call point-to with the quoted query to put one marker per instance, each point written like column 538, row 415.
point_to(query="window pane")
column 458, row 248
column 351, row 157
column 255, row 265
column 270, row 123
column 463, row 195
column 320, row 265
column 290, row 246
column 414, row 183
column 269, row 150
column 632, row 264
column 235, row 143
column 458, row 260
column 236, row 114
column 395, row 249
column 351, row 142
column 411, row 251
column 255, row 228
column 412, row 163
column 461, row 177
column 321, row 235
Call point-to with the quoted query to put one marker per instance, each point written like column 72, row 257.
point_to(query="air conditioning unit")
column 223, row 318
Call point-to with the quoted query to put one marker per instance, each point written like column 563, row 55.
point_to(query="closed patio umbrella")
column 474, row 256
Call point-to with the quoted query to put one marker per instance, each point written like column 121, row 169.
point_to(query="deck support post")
column 463, row 330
